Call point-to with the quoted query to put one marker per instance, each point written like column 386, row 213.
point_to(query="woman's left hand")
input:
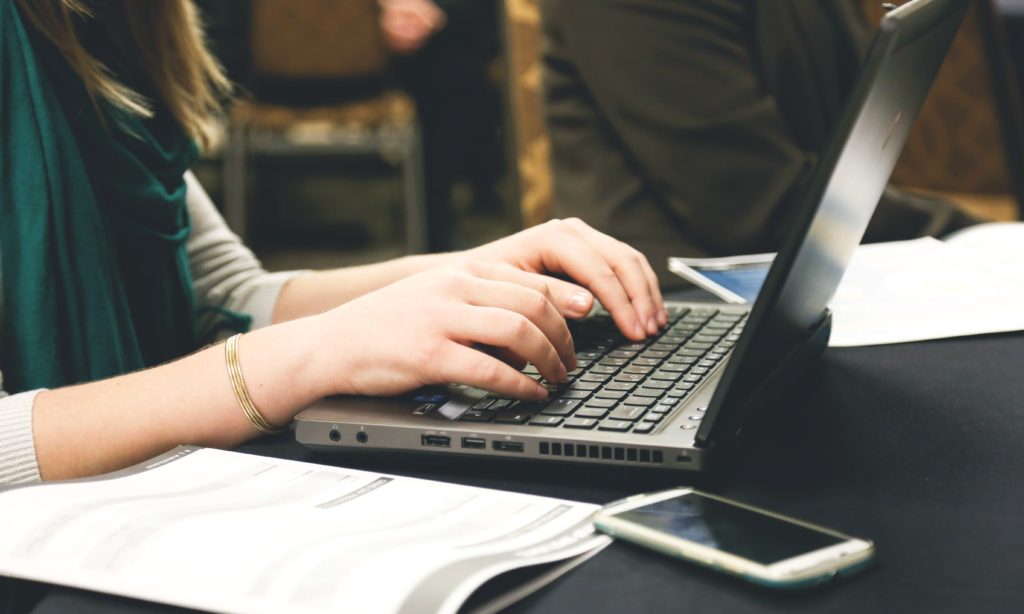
column 617, row 274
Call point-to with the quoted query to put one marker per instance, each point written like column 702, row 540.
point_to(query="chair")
column 967, row 142
column 320, row 87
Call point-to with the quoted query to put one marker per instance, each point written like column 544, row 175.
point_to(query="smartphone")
column 754, row 544
column 734, row 279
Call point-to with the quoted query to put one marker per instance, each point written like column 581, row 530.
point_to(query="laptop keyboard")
column 620, row 385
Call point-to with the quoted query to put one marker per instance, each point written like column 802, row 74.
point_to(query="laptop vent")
column 579, row 450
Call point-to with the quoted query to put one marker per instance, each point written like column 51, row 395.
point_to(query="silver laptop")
column 675, row 399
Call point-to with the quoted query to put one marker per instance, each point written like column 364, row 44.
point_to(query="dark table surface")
column 919, row 447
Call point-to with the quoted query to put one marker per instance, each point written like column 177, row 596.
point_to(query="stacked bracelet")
column 241, row 392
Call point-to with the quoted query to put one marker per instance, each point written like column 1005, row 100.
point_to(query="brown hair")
column 165, row 37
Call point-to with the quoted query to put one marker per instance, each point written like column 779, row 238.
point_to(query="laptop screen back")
column 838, row 202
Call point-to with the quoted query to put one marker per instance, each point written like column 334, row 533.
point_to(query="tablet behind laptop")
column 671, row 401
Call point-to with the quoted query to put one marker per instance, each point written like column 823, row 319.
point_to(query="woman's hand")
column 470, row 322
column 619, row 275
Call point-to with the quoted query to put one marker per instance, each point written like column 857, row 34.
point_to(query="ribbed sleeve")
column 17, row 447
column 226, row 274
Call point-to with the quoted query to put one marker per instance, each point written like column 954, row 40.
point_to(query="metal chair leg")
column 413, row 187
column 235, row 163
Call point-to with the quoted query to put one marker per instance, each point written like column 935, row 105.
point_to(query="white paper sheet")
column 238, row 533
column 972, row 283
column 922, row 289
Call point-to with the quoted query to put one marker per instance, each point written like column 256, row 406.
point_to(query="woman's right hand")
column 469, row 322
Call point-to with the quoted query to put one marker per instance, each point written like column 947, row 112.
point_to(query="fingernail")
column 580, row 301
column 638, row 330
column 652, row 326
column 663, row 317
column 542, row 392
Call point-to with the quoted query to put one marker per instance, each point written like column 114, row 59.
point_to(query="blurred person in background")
column 689, row 128
column 445, row 51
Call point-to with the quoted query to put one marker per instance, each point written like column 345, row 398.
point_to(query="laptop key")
column 579, row 423
column 546, row 420
column 476, row 415
column 614, row 395
column 592, row 412
column 574, row 394
column 560, row 407
column 621, row 386
column 629, row 413
column 602, row 403
column 644, row 391
column 620, row 426
column 639, row 401
column 513, row 417
column 644, row 427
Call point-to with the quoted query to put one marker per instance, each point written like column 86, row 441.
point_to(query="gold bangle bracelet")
column 241, row 392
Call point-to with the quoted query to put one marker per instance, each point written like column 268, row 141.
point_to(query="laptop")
column 677, row 399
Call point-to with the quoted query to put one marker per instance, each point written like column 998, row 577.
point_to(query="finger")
column 526, row 293
column 578, row 259
column 571, row 300
column 513, row 331
column 628, row 265
column 464, row 365
column 652, row 281
column 503, row 355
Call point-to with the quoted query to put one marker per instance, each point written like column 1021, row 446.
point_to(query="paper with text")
column 238, row 533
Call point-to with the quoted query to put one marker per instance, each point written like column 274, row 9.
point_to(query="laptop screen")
column 838, row 202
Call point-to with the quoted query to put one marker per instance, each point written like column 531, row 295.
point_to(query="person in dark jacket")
column 445, row 50
column 689, row 128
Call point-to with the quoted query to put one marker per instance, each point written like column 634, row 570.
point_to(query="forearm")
column 105, row 425
column 316, row 292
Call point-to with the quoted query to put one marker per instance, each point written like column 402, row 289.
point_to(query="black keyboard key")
column 546, row 420
column 592, row 412
column 623, row 386
column 643, row 428
column 655, row 354
column 647, row 362
column 664, row 375
column 587, row 386
column 579, row 423
column 602, row 403
column 603, row 369
column 644, row 391
column 620, row 426
column 575, row 394
column 632, row 414
column 613, row 395
column 590, row 376
column 560, row 407
column 658, row 384
column 513, row 417
column 629, row 378
column 476, row 415
column 639, row 401
column 638, row 369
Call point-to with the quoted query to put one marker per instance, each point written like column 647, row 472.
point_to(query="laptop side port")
column 436, row 441
column 474, row 443
column 508, row 446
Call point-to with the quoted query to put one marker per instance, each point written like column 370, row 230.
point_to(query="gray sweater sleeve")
column 226, row 276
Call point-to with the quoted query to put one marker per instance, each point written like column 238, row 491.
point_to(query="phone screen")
column 742, row 280
column 730, row 528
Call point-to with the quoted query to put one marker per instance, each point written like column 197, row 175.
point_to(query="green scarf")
column 93, row 224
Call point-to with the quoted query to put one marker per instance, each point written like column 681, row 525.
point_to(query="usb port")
column 508, row 446
column 436, row 441
column 474, row 443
